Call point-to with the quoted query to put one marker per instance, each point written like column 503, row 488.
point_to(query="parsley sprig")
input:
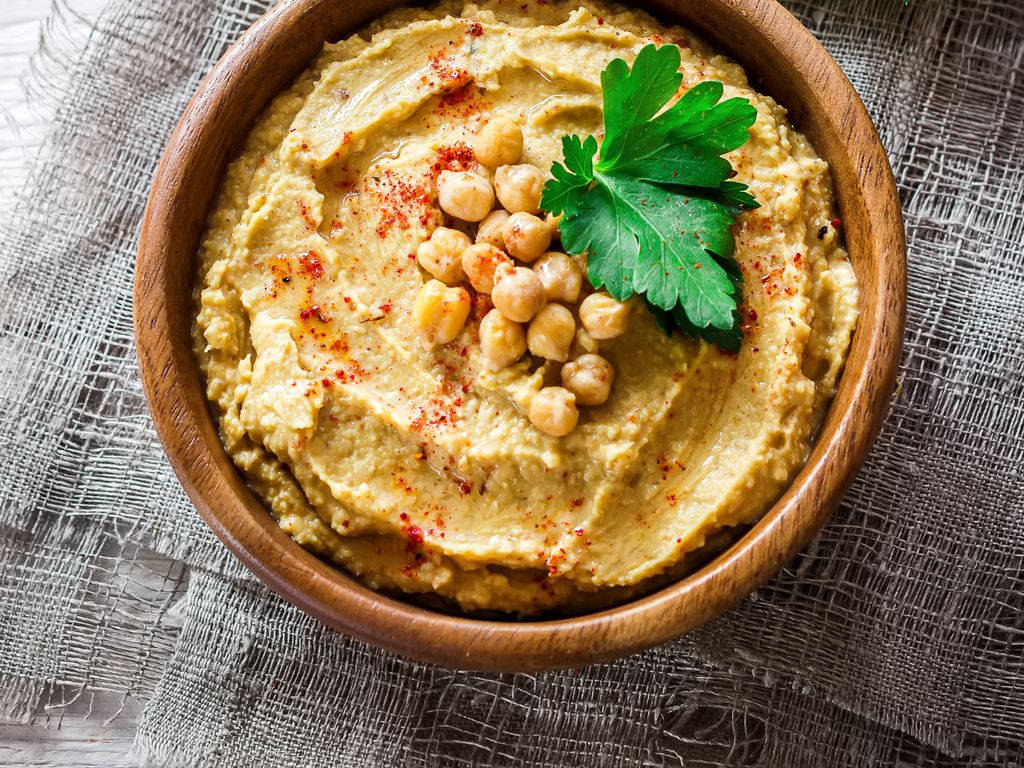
column 655, row 212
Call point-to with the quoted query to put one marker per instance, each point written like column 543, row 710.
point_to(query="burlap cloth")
column 897, row 638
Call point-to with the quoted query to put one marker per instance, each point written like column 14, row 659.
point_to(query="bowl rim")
column 326, row 592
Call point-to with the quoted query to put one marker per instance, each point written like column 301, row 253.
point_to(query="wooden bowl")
column 783, row 60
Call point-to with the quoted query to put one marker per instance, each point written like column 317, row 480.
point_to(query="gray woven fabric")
column 896, row 639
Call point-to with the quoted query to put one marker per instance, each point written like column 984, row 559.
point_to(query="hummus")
column 415, row 469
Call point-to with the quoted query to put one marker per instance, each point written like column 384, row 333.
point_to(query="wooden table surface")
column 79, row 737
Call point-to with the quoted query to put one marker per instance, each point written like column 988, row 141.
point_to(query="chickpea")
column 560, row 277
column 551, row 333
column 526, row 236
column 590, row 378
column 604, row 317
column 491, row 228
column 501, row 340
column 439, row 312
column 464, row 195
column 518, row 187
column 498, row 142
column 584, row 341
column 479, row 262
column 441, row 255
column 552, row 410
column 518, row 294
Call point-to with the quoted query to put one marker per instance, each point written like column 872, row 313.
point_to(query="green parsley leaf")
column 727, row 339
column 575, row 177
column 654, row 212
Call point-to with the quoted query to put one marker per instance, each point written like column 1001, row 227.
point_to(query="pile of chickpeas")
column 532, row 304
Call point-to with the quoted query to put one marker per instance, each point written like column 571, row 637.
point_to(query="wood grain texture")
column 785, row 61
column 91, row 732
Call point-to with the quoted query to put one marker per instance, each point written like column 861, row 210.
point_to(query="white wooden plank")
column 88, row 733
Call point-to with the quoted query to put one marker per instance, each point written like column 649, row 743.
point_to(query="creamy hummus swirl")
column 415, row 469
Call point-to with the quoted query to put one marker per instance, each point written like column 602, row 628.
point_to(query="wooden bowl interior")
column 786, row 63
